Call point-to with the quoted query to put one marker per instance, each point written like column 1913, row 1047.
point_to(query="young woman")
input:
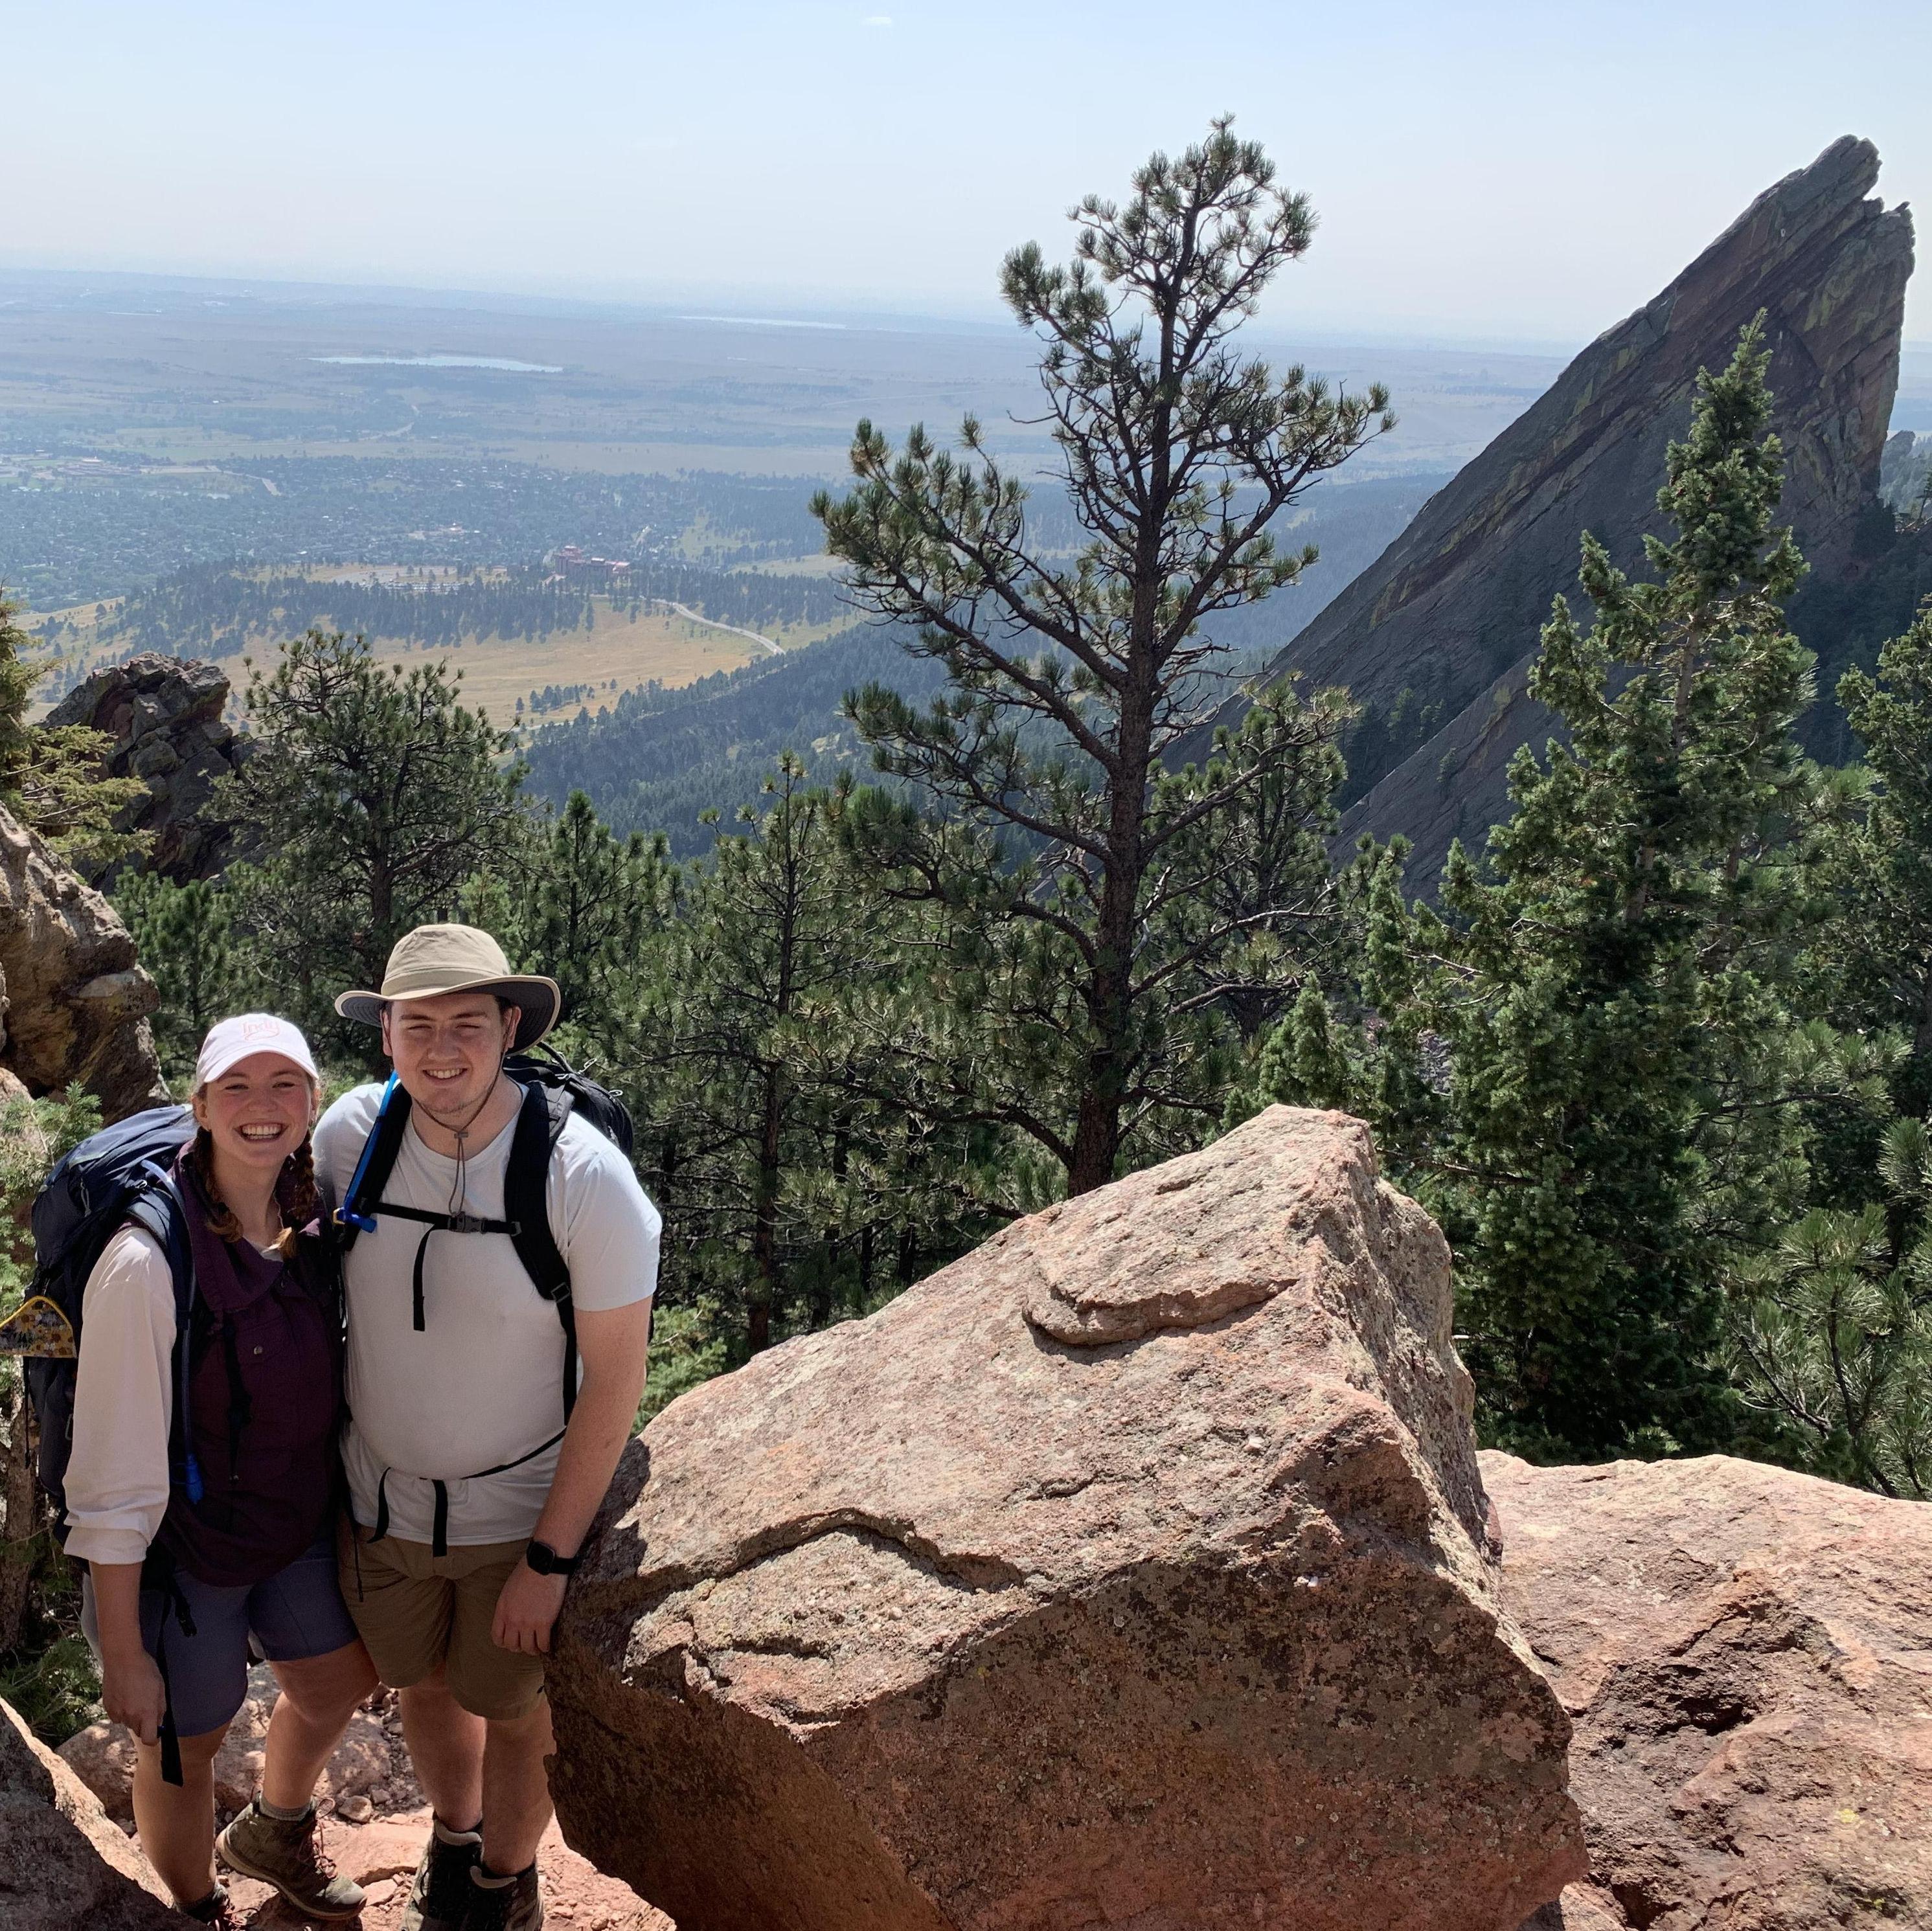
column 182, row 1572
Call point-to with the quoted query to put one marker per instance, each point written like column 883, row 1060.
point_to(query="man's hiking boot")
column 439, row 1899
column 287, row 1852
column 217, row 1909
column 504, row 1904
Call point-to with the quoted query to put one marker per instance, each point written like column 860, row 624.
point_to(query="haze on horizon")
column 1507, row 171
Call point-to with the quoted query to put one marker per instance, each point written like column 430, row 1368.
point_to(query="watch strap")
column 546, row 1561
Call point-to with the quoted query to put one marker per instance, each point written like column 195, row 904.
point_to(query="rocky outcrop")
column 164, row 715
column 1129, row 1570
column 1456, row 602
column 63, row 1867
column 1746, row 1656
column 73, row 1003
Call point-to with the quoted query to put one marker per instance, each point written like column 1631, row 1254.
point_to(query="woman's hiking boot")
column 504, row 1903
column 439, row 1898
column 217, row 1909
column 287, row 1853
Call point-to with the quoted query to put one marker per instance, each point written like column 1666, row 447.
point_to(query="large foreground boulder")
column 1129, row 1572
column 76, row 1003
column 63, row 1866
column 1746, row 1655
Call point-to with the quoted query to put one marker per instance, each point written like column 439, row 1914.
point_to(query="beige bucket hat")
column 436, row 959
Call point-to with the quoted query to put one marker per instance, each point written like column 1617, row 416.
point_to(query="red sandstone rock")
column 63, row 1867
column 1127, row 1572
column 1746, row 1656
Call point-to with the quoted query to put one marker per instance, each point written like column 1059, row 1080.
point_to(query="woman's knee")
column 327, row 1688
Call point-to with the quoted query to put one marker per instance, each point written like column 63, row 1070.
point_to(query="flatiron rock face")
column 1746, row 1655
column 1452, row 609
column 76, row 1003
column 1132, row 1570
column 165, row 716
column 64, row 1865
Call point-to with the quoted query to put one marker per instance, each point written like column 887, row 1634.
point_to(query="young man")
column 471, row 1492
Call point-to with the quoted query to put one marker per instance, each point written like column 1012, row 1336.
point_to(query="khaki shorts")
column 414, row 1610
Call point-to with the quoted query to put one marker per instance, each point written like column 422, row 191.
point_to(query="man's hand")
column 132, row 1692
column 526, row 1610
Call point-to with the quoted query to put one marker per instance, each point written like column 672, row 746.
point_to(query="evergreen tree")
column 384, row 795
column 54, row 779
column 1090, row 871
column 1623, row 1072
column 1873, row 960
column 184, row 936
column 1832, row 1344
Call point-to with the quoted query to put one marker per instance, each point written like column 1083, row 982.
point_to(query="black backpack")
column 552, row 1090
column 117, row 1176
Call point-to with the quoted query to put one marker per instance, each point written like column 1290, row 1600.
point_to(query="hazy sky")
column 1525, row 171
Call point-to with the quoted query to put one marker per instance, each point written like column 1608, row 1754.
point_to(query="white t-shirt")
column 483, row 1383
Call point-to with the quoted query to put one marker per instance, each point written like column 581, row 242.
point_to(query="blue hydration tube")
column 365, row 1222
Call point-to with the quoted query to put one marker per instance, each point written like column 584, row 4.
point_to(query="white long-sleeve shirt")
column 117, row 1471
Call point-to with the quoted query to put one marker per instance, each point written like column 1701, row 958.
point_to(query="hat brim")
column 539, row 1001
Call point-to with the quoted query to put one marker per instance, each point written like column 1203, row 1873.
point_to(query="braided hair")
column 296, row 1194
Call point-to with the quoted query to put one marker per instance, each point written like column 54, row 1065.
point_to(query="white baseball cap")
column 229, row 1040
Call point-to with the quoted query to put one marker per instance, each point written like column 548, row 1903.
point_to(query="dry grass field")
column 615, row 653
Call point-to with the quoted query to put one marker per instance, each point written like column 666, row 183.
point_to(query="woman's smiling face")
column 258, row 1112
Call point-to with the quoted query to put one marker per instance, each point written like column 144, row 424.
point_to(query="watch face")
column 542, row 1557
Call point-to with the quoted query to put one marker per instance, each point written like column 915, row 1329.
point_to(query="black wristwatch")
column 545, row 1560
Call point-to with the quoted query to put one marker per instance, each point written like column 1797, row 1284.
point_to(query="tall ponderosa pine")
column 1072, row 680
column 184, row 934
column 1620, row 1071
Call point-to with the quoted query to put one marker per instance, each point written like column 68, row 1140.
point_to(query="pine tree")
column 1623, row 1072
column 1875, row 956
column 1090, row 868
column 54, row 779
column 385, row 794
column 183, row 935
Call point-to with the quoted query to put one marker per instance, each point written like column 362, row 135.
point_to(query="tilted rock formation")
column 1456, row 602
column 63, row 1866
column 1746, row 1656
column 73, row 1003
column 1129, row 1570
column 165, row 716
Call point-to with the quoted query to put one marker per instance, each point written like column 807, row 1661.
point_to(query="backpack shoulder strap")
column 356, row 1214
column 158, row 1210
column 527, row 1208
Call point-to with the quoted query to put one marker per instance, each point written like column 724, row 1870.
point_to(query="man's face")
column 448, row 1050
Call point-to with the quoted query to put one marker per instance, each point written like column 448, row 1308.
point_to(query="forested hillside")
column 654, row 759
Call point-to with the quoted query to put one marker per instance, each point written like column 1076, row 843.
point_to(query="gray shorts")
column 296, row 1614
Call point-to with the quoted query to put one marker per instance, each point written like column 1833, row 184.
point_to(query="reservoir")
column 444, row 362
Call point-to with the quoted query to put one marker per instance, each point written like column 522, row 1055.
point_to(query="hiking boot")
column 439, row 1899
column 217, row 1908
column 287, row 1852
column 504, row 1904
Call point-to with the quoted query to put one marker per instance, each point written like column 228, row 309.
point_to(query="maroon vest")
column 265, row 1379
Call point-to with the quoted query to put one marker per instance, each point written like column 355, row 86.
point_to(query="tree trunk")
column 764, row 1226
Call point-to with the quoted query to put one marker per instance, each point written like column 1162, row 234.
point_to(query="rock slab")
column 64, row 1865
column 1746, row 1656
column 1452, row 609
column 73, row 1002
column 164, row 715
column 1129, row 1572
